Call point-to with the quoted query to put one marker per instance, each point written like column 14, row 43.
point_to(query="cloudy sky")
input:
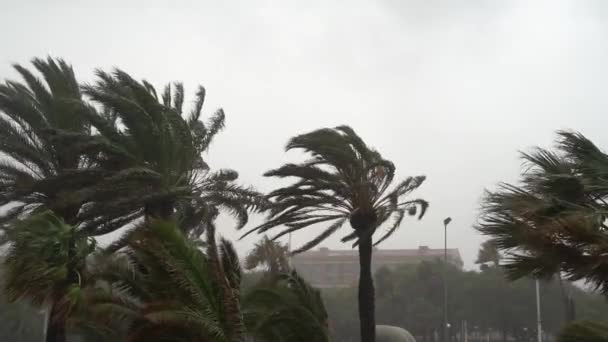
column 449, row 89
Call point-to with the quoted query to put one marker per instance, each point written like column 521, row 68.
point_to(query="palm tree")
column 152, row 156
column 45, row 265
column 271, row 254
column 287, row 310
column 344, row 181
column 37, row 170
column 164, row 288
column 553, row 222
column 488, row 253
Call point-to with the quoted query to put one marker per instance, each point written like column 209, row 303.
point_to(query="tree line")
column 411, row 296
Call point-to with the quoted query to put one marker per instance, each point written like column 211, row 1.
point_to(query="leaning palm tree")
column 45, row 265
column 152, row 155
column 37, row 170
column 344, row 181
column 271, row 254
column 550, row 223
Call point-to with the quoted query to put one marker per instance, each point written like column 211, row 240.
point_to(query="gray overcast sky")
column 450, row 89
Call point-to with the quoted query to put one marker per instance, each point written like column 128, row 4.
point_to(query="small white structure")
column 389, row 333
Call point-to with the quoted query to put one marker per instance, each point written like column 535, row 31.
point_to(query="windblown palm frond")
column 164, row 288
column 36, row 169
column 553, row 221
column 289, row 310
column 151, row 157
column 591, row 162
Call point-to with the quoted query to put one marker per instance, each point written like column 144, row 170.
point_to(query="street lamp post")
column 445, row 279
column 539, row 328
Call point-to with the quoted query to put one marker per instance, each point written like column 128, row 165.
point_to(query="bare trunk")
column 160, row 210
column 367, row 317
column 56, row 327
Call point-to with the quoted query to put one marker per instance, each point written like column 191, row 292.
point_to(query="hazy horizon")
column 449, row 89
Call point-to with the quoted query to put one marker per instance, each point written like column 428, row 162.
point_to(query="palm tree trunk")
column 55, row 327
column 367, row 319
column 160, row 210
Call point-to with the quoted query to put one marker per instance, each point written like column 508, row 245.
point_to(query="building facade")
column 325, row 268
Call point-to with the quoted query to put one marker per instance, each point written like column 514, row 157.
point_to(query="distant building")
column 325, row 268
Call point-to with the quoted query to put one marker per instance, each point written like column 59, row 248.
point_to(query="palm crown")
column 271, row 254
column 150, row 154
column 553, row 221
column 37, row 170
column 344, row 180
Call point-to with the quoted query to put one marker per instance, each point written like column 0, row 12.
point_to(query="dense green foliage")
column 161, row 287
column 412, row 297
column 164, row 288
column 46, row 265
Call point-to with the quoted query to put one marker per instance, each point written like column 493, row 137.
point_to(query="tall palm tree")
column 152, row 157
column 164, row 288
column 271, row 254
column 37, row 170
column 344, row 181
column 45, row 265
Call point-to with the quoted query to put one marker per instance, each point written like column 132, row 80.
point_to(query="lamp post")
column 445, row 279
